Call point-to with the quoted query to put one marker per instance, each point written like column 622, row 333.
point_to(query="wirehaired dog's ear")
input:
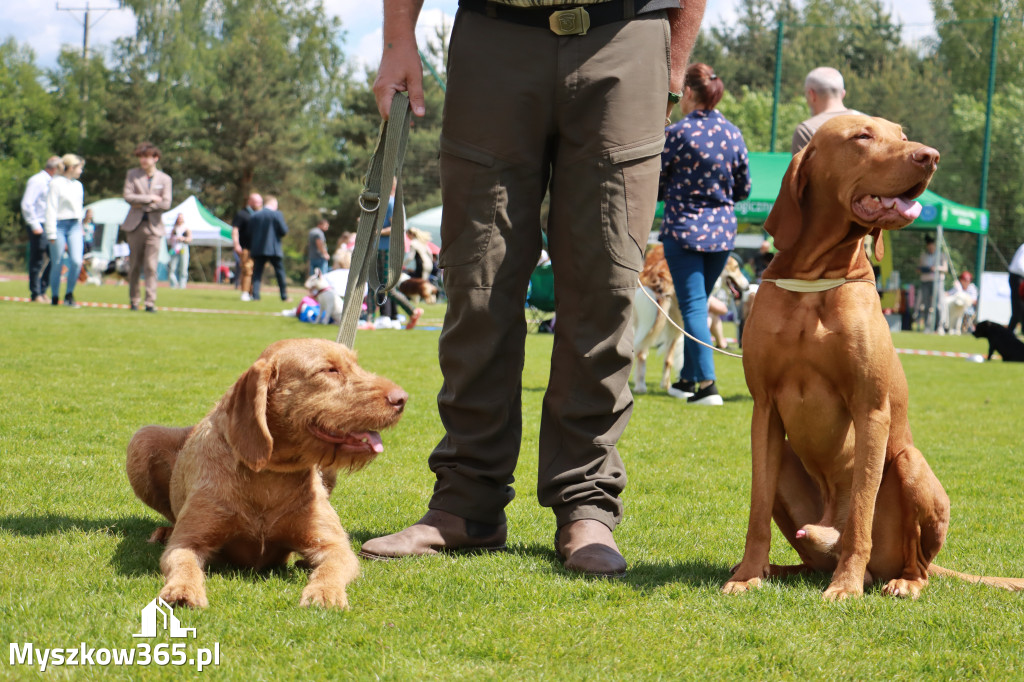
column 246, row 408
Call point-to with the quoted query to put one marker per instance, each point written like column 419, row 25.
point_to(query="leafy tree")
column 965, row 38
column 27, row 116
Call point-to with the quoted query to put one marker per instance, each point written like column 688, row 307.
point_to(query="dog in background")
column 1000, row 340
column 418, row 289
column 650, row 326
column 249, row 484
column 95, row 268
column 330, row 300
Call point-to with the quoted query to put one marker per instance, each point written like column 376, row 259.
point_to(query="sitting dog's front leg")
column 767, row 437
column 334, row 564
column 872, row 431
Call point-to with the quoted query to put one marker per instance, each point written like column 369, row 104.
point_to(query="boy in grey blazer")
column 148, row 192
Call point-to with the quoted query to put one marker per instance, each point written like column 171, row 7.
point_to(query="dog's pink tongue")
column 908, row 209
column 372, row 438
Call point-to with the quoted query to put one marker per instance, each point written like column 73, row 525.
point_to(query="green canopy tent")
column 937, row 213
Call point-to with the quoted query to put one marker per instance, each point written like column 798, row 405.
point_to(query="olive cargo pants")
column 527, row 110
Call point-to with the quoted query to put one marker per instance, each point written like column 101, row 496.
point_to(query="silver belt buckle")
column 570, row 22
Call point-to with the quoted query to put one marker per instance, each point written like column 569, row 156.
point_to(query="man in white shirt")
column 33, row 210
column 1016, row 294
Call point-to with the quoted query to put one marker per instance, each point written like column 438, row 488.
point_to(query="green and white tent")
column 767, row 170
column 207, row 229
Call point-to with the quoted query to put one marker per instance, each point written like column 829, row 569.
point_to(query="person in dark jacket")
column 266, row 228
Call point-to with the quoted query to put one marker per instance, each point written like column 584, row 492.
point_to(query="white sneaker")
column 706, row 396
column 246, row 296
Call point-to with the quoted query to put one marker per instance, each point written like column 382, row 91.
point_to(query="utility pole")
column 86, row 23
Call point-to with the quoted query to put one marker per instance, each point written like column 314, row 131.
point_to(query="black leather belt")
column 562, row 20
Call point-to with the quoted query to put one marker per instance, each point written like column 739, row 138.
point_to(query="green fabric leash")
column 385, row 165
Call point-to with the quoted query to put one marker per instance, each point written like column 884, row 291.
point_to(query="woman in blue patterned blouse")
column 704, row 171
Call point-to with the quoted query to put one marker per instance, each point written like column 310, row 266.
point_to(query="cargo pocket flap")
column 466, row 151
column 637, row 150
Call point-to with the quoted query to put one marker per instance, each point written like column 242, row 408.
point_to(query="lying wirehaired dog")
column 1000, row 340
column 249, row 484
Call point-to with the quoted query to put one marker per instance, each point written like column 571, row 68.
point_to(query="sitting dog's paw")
column 327, row 596
column 838, row 591
column 904, row 588
column 161, row 535
column 183, row 594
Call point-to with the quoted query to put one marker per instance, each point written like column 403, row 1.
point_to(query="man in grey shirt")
column 318, row 256
column 824, row 90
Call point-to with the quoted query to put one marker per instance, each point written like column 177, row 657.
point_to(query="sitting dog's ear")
column 876, row 237
column 785, row 222
column 246, row 408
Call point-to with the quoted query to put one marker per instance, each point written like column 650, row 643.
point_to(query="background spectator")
column 177, row 242
column 65, row 200
column 33, row 210
column 704, row 172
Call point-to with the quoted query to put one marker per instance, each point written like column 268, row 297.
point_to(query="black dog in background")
column 1001, row 340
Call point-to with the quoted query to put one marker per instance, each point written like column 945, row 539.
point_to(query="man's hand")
column 37, row 230
column 400, row 69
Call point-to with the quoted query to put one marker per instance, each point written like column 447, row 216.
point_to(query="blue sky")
column 41, row 25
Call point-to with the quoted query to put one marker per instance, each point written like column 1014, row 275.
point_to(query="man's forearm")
column 400, row 69
column 685, row 26
column 400, row 20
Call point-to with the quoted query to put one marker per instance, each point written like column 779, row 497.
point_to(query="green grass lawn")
column 76, row 567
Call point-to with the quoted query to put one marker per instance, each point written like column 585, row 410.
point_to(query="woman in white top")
column 63, row 226
column 178, row 241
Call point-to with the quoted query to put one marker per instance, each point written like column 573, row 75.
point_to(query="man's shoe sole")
column 438, row 550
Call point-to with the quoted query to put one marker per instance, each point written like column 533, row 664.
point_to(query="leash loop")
column 372, row 196
column 385, row 167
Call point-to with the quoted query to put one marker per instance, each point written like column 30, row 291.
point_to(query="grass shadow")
column 133, row 556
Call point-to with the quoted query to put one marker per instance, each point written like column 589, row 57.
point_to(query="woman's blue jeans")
column 177, row 268
column 694, row 274
column 71, row 237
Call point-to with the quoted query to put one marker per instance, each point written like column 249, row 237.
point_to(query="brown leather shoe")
column 437, row 531
column 588, row 547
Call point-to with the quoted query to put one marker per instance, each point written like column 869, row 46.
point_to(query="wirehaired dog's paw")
column 325, row 595
column 185, row 594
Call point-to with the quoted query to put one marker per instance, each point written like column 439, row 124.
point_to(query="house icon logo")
column 156, row 612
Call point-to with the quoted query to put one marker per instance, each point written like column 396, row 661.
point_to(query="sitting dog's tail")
column 1011, row 584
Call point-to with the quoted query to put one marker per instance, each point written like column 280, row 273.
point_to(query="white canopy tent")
column 207, row 229
column 428, row 221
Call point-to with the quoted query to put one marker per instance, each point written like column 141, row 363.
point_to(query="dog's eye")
column 862, row 136
column 332, row 370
